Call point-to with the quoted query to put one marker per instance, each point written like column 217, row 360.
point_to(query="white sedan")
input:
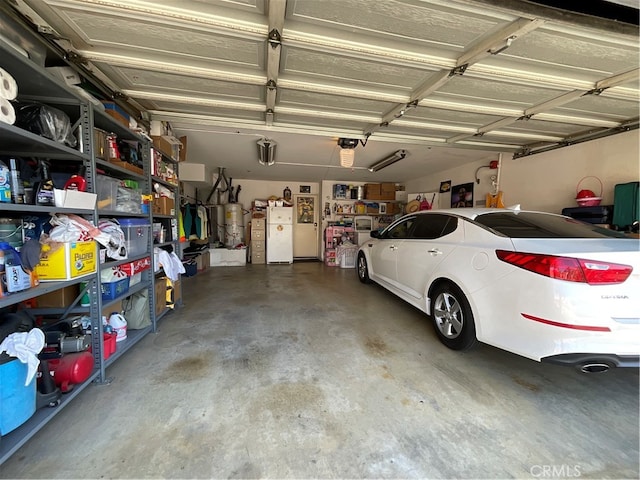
column 540, row 285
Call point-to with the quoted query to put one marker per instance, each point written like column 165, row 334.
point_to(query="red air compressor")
column 70, row 369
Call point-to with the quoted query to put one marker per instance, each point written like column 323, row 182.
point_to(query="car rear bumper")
column 582, row 360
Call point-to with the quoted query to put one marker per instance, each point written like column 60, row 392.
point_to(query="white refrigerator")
column 280, row 235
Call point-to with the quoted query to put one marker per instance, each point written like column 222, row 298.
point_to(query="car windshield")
column 541, row 225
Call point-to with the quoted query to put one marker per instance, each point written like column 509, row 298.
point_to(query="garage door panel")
column 566, row 54
column 304, row 99
column 469, row 88
column 329, row 67
column 156, row 39
column 189, row 85
column 418, row 21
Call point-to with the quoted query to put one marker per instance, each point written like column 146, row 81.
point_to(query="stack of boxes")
column 385, row 192
column 258, row 253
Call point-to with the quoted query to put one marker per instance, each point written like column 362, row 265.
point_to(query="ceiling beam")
column 491, row 44
column 273, row 47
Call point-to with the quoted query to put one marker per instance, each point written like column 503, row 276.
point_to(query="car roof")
column 472, row 212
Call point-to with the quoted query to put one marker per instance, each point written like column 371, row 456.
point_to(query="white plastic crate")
column 346, row 256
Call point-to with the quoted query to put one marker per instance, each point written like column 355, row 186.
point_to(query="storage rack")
column 174, row 241
column 35, row 84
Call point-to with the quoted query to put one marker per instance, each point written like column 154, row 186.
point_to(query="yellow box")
column 71, row 260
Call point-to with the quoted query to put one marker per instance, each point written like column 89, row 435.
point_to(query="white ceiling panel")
column 451, row 81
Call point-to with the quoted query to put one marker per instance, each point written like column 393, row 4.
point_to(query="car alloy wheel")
column 452, row 318
column 363, row 269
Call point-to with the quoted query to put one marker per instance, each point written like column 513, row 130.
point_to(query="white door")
column 305, row 226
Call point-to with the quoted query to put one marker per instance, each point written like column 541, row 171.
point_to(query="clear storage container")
column 107, row 190
column 136, row 233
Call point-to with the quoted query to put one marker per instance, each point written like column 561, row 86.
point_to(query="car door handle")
column 393, row 247
column 434, row 251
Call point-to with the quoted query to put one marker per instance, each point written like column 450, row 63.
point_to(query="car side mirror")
column 375, row 234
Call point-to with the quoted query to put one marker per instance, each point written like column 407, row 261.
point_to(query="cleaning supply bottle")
column 119, row 325
column 5, row 183
column 17, row 187
column 44, row 191
column 77, row 182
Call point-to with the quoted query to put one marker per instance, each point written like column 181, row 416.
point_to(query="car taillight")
column 567, row 268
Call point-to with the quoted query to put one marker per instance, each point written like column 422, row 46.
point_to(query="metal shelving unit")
column 175, row 241
column 34, row 83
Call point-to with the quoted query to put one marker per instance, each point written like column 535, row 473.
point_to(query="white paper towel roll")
column 8, row 85
column 7, row 112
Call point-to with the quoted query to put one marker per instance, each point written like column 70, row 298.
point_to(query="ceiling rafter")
column 491, row 44
column 277, row 10
column 560, row 100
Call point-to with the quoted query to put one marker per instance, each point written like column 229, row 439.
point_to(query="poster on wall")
column 445, row 186
column 462, row 195
column 305, row 209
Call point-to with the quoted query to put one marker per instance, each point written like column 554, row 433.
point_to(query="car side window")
column 431, row 226
column 401, row 230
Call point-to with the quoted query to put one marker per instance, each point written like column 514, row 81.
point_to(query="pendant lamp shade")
column 346, row 157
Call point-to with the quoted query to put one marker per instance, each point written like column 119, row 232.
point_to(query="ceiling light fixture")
column 266, row 151
column 347, row 151
column 391, row 159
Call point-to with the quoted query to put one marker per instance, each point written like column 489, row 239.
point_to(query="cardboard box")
column 74, row 199
column 393, row 208
column 163, row 205
column 60, row 298
column 126, row 166
column 117, row 113
column 70, row 260
column 183, row 150
column 202, row 261
column 387, row 191
column 160, row 294
column 168, row 145
column 227, row 257
column 67, row 74
column 136, row 266
column 372, row 191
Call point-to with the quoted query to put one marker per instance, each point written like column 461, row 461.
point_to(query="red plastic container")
column 109, row 344
column 71, row 369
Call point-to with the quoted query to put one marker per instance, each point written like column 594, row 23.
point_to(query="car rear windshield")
column 541, row 225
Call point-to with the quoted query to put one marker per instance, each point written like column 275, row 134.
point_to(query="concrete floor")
column 300, row 371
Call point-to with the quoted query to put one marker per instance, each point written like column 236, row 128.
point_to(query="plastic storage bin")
column 107, row 190
column 136, row 233
column 111, row 290
column 17, row 402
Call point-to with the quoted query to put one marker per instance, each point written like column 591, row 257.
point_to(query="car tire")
column 452, row 317
column 363, row 268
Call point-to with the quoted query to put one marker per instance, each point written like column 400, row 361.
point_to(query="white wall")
column 547, row 181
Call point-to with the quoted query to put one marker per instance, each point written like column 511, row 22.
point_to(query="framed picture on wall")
column 462, row 195
column 305, row 188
